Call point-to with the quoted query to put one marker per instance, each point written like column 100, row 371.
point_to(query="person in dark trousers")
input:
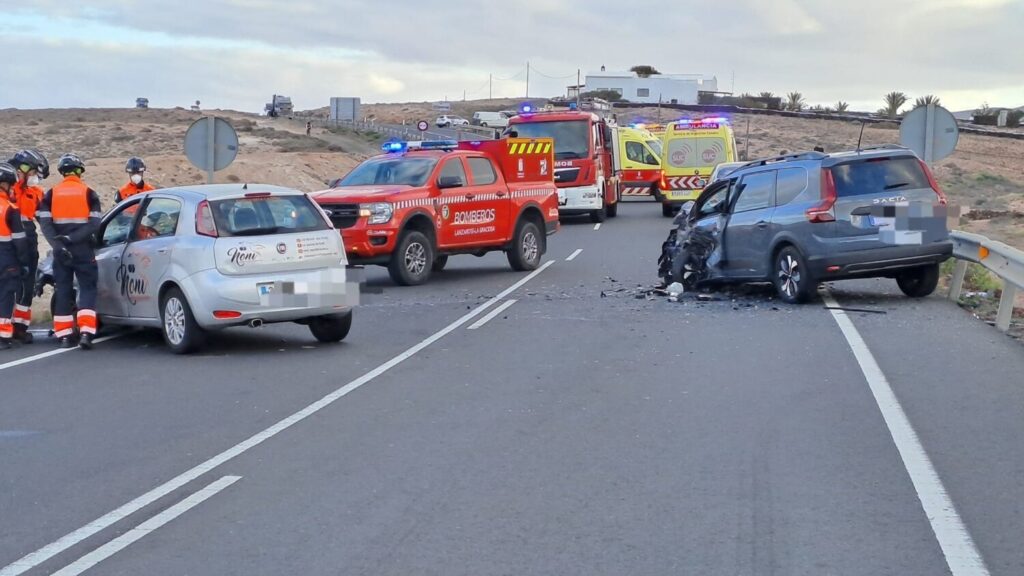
column 14, row 254
column 309, row 128
column 69, row 217
column 31, row 167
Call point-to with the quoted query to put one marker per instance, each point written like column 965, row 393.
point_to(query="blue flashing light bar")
column 394, row 146
column 399, row 146
column 711, row 120
column 572, row 106
column 526, row 108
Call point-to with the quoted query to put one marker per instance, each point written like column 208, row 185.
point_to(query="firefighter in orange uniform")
column 32, row 168
column 137, row 184
column 69, row 217
column 13, row 254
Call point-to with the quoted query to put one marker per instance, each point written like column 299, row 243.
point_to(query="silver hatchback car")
column 192, row 259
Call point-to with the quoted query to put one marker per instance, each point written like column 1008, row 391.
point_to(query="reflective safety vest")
column 130, row 189
column 27, row 198
column 69, row 202
column 6, row 234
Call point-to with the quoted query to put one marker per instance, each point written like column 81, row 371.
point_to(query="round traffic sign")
column 422, row 125
column 211, row 144
column 930, row 131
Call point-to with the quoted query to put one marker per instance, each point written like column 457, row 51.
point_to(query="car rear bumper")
column 279, row 297
column 886, row 261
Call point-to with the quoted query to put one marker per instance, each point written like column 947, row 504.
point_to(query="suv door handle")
column 162, row 251
column 470, row 196
column 499, row 194
column 762, row 224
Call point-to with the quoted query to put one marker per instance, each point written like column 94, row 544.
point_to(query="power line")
column 535, row 71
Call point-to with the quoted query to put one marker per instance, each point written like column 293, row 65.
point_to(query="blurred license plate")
column 265, row 289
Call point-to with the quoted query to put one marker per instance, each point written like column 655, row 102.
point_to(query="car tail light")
column 205, row 226
column 226, row 314
column 663, row 185
column 822, row 212
column 933, row 182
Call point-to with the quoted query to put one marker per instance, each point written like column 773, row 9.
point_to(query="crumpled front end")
column 690, row 255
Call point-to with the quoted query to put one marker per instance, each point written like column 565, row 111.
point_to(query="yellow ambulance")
column 637, row 161
column 691, row 150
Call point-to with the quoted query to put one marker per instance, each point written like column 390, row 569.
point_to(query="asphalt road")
column 572, row 433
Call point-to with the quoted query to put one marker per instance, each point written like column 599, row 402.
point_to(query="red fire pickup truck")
column 421, row 202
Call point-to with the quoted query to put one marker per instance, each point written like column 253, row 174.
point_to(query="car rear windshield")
column 263, row 215
column 400, row 171
column 878, row 176
column 572, row 137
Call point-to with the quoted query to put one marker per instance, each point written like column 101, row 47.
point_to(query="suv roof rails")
column 882, row 147
column 783, row 158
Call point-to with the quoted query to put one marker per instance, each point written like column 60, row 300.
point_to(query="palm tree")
column 841, row 107
column 893, row 102
column 795, row 101
column 926, row 100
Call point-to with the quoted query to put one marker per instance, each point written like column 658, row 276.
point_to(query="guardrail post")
column 956, row 286
column 1005, row 313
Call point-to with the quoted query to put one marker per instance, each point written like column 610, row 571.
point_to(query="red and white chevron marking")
column 685, row 182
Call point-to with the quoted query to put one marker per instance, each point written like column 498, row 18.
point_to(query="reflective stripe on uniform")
column 87, row 321
column 6, row 328
column 44, row 214
column 22, row 315
column 70, row 220
column 63, row 326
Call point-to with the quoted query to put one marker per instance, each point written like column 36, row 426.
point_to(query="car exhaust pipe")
column 256, row 323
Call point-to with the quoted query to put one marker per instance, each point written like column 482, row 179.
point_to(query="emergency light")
column 393, row 146
column 572, row 106
column 526, row 108
column 699, row 121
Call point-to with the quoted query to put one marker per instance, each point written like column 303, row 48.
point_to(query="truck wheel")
column 439, row 263
column 527, row 247
column 599, row 215
column 332, row 327
column 412, row 260
column 919, row 282
column 613, row 209
column 181, row 332
column 667, row 210
column 483, row 124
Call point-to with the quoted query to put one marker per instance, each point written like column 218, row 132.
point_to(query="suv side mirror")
column 446, row 182
column 686, row 208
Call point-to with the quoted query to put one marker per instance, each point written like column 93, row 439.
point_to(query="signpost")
column 422, row 126
column 211, row 144
column 931, row 132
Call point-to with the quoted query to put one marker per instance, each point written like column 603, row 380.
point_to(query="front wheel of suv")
column 790, row 276
column 919, row 282
column 413, row 259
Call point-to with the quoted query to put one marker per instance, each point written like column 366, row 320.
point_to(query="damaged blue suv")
column 802, row 219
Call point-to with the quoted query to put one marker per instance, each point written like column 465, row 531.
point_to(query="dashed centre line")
column 574, row 255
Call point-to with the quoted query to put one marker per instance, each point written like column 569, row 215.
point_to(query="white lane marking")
column 574, row 255
column 67, row 541
column 490, row 316
column 597, row 226
column 958, row 547
column 123, row 541
column 50, row 353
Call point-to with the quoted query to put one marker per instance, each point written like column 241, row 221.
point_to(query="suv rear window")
column 265, row 215
column 879, row 175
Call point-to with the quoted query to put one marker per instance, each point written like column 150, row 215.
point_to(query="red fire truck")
column 421, row 202
column 584, row 172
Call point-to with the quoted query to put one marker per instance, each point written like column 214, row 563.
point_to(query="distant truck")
column 278, row 106
column 142, row 102
column 421, row 202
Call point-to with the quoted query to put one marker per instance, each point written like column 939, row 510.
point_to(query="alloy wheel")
column 174, row 320
column 415, row 258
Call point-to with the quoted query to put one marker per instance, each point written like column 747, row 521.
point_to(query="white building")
column 666, row 88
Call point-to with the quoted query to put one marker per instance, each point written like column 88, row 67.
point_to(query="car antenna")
column 245, row 186
column 861, row 137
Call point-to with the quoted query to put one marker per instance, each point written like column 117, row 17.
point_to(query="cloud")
column 220, row 50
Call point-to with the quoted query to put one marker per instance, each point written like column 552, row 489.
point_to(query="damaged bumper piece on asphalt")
column 690, row 255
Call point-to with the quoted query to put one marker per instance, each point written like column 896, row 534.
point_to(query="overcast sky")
column 236, row 53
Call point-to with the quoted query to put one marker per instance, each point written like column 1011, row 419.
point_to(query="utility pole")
column 578, row 88
column 490, row 86
column 527, row 79
column 463, row 94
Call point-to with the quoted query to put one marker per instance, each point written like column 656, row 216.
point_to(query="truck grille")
column 342, row 215
column 567, row 175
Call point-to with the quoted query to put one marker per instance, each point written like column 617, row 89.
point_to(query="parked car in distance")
column 806, row 218
column 490, row 119
column 193, row 259
column 447, row 121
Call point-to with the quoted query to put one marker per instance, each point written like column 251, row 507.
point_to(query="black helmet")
column 27, row 160
column 44, row 168
column 69, row 163
column 8, row 174
column 135, row 165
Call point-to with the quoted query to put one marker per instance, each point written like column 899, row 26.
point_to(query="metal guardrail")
column 1005, row 261
column 410, row 132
